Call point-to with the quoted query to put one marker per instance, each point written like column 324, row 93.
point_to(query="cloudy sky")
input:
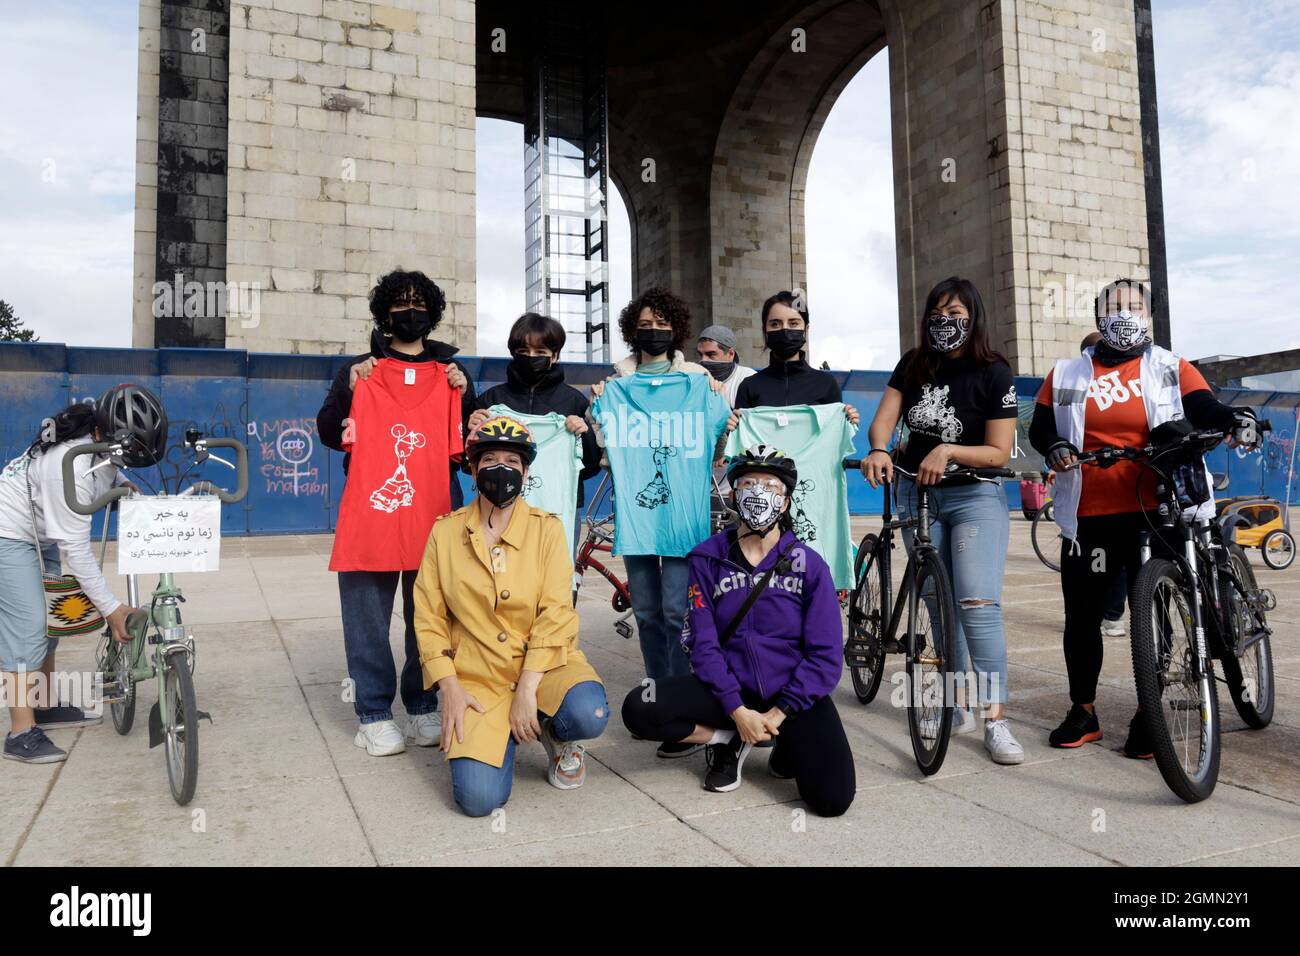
column 1229, row 96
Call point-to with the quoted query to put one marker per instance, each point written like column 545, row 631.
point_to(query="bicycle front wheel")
column 1248, row 663
column 931, row 638
column 1175, row 686
column 864, row 654
column 1045, row 537
column 180, row 727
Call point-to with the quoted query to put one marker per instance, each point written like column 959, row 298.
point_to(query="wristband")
column 883, row 451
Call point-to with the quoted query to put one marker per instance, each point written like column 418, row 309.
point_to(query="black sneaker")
column 724, row 762
column 32, row 746
column 1079, row 727
column 1138, row 746
column 54, row 718
column 670, row 751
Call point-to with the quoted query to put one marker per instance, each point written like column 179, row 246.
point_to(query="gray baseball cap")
column 720, row 334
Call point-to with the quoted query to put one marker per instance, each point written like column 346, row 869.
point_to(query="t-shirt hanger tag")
column 408, row 376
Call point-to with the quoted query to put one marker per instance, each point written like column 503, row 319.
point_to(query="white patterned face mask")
column 758, row 507
column 1125, row 331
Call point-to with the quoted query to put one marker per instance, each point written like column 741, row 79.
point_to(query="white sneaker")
column 424, row 730
column 381, row 738
column 963, row 721
column 566, row 761
column 1114, row 629
column 1001, row 744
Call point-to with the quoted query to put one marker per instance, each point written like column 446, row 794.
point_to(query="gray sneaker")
column 32, row 746
column 566, row 767
column 963, row 721
column 1001, row 743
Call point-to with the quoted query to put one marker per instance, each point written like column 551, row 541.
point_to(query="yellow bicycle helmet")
column 504, row 434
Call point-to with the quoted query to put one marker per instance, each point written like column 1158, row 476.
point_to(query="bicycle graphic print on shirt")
column 934, row 416
column 397, row 491
column 803, row 526
column 656, row 493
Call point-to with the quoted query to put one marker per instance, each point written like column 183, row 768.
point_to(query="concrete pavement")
column 281, row 782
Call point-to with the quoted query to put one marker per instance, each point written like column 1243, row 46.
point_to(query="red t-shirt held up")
column 404, row 426
column 1114, row 414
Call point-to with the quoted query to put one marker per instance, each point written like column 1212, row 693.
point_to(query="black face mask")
column 720, row 370
column 531, row 369
column 785, row 342
column 947, row 333
column 410, row 325
column 653, row 341
column 499, row 484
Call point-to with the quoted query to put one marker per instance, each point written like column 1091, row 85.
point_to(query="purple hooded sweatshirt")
column 789, row 649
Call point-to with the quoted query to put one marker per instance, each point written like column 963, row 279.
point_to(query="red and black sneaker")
column 1079, row 727
column 1139, row 746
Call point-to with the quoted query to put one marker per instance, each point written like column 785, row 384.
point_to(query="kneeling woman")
column 763, row 638
column 498, row 633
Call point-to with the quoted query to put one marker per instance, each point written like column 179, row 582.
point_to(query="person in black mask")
column 788, row 379
column 535, row 385
column 406, row 307
column 717, row 348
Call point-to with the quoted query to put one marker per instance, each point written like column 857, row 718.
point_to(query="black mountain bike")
column 929, row 639
column 1197, row 604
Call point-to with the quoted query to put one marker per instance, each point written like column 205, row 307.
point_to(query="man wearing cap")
column 717, row 348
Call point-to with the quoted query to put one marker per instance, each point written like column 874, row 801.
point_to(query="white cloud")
column 1228, row 88
column 852, row 265
column 67, row 168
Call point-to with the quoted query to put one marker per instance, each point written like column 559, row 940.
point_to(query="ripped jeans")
column 971, row 528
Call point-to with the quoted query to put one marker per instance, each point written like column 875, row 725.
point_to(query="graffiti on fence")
column 284, row 451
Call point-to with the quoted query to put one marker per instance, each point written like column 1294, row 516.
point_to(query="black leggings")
column 811, row 746
column 1109, row 548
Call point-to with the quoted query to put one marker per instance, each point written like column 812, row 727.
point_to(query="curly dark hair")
column 662, row 303
column 399, row 285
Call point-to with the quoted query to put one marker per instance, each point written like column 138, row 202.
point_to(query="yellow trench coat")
column 488, row 617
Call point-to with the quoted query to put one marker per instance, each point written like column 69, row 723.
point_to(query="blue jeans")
column 658, row 587
column 479, row 788
column 970, row 528
column 367, row 599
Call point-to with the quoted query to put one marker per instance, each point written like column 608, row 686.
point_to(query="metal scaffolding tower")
column 566, row 256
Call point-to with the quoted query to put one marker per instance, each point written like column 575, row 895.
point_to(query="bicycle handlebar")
column 111, row 449
column 1109, row 454
column 241, row 469
column 70, row 478
column 983, row 474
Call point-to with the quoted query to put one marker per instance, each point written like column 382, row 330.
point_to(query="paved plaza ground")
column 282, row 783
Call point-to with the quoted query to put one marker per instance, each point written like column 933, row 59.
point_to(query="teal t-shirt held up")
column 659, row 433
column 818, row 438
column 552, row 483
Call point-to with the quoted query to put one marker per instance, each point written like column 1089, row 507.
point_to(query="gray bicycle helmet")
column 133, row 416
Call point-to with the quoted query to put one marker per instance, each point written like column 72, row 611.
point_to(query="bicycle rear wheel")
column 181, row 727
column 1249, row 676
column 931, row 636
column 864, row 653
column 1181, row 706
column 1047, row 542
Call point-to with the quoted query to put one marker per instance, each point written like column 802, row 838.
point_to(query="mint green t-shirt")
column 818, row 438
column 552, row 483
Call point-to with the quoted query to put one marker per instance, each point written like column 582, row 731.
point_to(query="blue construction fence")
column 270, row 402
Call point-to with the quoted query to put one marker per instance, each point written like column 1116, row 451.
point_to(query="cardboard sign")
column 170, row 534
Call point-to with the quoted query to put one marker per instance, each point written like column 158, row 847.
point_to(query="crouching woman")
column 764, row 664
column 498, row 633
